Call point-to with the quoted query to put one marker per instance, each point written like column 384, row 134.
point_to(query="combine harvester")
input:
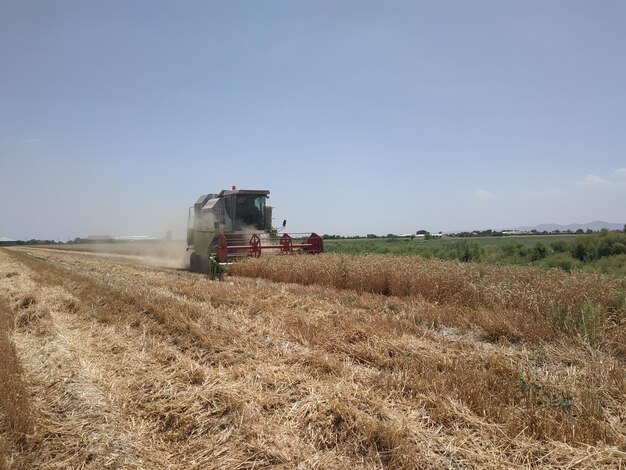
column 225, row 226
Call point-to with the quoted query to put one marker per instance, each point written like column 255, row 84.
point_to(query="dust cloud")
column 160, row 253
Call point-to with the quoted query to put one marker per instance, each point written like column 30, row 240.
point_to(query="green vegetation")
column 600, row 252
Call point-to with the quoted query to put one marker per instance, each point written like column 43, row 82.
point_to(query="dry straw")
column 522, row 302
column 16, row 420
column 131, row 366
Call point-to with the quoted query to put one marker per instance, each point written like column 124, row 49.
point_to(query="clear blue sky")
column 359, row 116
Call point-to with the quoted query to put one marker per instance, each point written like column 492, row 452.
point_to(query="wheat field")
column 308, row 362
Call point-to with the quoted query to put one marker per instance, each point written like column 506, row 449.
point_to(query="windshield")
column 250, row 212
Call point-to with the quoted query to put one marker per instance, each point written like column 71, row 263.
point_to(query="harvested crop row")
column 316, row 376
column 15, row 408
column 403, row 316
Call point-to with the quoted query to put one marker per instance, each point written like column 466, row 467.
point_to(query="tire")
column 194, row 263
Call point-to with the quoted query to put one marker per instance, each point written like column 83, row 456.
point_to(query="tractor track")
column 114, row 301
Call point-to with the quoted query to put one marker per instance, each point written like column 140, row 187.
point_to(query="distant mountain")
column 595, row 226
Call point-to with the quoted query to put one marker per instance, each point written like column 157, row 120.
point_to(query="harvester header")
column 234, row 223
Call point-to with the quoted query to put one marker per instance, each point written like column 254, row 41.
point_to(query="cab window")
column 250, row 212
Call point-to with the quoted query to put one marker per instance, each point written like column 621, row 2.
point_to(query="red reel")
column 255, row 245
column 286, row 244
column 316, row 242
column 222, row 248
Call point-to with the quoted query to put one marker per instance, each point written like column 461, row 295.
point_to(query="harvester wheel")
column 194, row 263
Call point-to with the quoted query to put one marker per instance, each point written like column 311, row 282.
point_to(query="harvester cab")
column 222, row 227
